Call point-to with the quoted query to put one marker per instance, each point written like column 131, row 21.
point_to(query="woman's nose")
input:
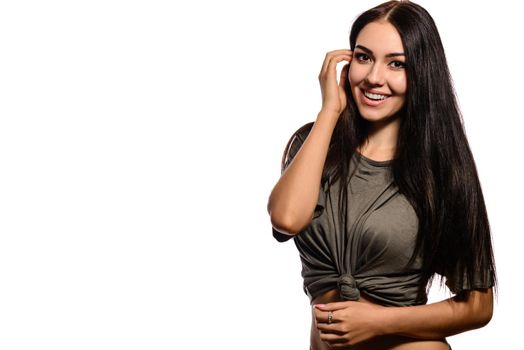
column 376, row 75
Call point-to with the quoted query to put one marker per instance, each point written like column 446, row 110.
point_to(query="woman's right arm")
column 293, row 199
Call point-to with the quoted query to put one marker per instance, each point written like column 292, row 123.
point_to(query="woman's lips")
column 370, row 102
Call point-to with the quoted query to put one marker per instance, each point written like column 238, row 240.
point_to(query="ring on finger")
column 330, row 317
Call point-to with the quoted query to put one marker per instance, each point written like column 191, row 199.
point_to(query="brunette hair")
column 433, row 165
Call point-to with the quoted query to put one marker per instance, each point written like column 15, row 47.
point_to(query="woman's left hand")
column 351, row 322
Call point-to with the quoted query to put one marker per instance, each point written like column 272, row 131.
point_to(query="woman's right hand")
column 334, row 99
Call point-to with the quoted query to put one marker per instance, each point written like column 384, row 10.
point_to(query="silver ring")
column 330, row 317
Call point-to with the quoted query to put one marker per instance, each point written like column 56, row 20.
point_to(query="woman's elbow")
column 485, row 315
column 483, row 307
column 486, row 320
column 287, row 221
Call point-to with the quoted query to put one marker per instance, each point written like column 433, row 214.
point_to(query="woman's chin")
column 378, row 118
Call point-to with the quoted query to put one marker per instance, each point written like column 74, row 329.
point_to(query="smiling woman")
column 377, row 74
column 381, row 194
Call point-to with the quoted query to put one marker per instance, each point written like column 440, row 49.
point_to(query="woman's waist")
column 389, row 342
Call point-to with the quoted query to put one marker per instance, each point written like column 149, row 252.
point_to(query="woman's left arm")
column 471, row 310
column 354, row 322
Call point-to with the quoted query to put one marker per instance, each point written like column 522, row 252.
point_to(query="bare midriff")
column 390, row 342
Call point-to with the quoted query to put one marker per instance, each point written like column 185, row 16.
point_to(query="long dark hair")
column 433, row 165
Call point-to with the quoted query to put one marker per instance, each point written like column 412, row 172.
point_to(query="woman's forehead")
column 381, row 38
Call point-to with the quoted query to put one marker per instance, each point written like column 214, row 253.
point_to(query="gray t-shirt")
column 372, row 252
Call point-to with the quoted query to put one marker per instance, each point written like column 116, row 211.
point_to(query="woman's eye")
column 398, row 64
column 362, row 57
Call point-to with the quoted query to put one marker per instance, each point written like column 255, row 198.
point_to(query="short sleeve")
column 481, row 279
column 294, row 145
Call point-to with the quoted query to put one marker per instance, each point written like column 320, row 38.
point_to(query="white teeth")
column 374, row 96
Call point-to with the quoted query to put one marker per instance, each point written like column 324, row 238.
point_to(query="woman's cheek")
column 399, row 84
column 352, row 75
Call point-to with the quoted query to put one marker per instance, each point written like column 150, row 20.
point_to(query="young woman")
column 381, row 194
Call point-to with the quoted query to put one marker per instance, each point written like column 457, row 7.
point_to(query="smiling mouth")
column 375, row 97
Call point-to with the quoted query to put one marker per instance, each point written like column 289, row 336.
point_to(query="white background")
column 139, row 141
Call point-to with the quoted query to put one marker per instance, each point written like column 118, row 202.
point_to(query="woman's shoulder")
column 301, row 133
column 295, row 142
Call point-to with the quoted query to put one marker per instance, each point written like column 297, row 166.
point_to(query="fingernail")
column 318, row 306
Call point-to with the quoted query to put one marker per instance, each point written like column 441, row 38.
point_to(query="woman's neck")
column 381, row 141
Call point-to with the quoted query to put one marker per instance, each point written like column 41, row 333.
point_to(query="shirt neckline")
column 379, row 163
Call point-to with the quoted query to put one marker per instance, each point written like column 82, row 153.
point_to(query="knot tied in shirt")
column 348, row 287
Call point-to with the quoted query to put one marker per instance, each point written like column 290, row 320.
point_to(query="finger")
column 323, row 317
column 343, row 345
column 333, row 55
column 334, row 306
column 333, row 61
column 333, row 328
column 331, row 70
column 332, row 338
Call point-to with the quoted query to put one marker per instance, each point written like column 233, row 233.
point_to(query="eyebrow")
column 368, row 51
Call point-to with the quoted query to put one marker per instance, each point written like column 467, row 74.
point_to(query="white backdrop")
column 139, row 141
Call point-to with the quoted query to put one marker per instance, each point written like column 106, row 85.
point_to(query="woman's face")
column 377, row 72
